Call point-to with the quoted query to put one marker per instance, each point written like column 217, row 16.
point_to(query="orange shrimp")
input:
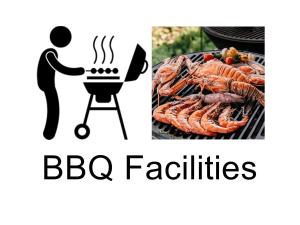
column 257, row 67
column 159, row 112
column 195, row 119
column 246, row 69
column 225, row 118
column 168, row 71
column 247, row 91
column 167, row 90
column 173, row 111
column 253, row 70
column 216, row 67
column 209, row 124
column 184, row 114
column 221, row 84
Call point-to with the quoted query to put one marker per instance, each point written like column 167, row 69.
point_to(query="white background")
column 26, row 198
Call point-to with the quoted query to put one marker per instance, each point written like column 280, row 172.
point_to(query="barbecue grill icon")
column 104, row 91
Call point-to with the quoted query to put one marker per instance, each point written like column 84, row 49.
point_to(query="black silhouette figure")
column 60, row 37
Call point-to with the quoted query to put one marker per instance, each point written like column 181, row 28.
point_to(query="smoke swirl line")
column 103, row 49
column 94, row 47
column 112, row 52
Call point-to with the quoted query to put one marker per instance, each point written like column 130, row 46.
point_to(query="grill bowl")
column 103, row 90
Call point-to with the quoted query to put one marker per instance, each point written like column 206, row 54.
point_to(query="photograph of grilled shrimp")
column 219, row 90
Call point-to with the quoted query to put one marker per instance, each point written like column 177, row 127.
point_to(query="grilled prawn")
column 183, row 116
column 172, row 112
column 159, row 112
column 195, row 119
column 225, row 118
column 250, row 67
column 216, row 67
column 221, row 84
column 208, row 121
column 257, row 67
column 169, row 89
column 167, row 72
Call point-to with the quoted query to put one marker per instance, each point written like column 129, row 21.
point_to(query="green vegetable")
column 217, row 55
column 237, row 59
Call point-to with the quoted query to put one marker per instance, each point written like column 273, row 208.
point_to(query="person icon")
column 48, row 64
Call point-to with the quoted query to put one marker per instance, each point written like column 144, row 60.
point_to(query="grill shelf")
column 254, row 129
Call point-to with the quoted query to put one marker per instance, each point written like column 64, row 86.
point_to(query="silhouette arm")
column 56, row 65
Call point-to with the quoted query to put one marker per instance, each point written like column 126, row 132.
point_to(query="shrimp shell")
column 225, row 118
column 183, row 116
column 209, row 124
column 195, row 119
column 172, row 112
column 247, row 91
column 159, row 112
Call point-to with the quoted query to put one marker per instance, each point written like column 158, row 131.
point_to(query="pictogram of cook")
column 60, row 37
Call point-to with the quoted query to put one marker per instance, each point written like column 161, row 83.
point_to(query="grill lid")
column 242, row 34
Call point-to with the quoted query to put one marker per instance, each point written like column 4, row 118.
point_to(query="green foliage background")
column 172, row 41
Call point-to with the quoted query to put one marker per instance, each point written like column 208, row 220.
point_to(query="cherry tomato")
column 208, row 57
column 229, row 60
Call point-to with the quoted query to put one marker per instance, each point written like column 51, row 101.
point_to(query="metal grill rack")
column 254, row 129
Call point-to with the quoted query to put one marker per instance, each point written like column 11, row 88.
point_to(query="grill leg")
column 120, row 117
column 88, row 109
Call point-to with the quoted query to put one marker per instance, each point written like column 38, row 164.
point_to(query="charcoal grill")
column 243, row 38
column 254, row 129
column 103, row 91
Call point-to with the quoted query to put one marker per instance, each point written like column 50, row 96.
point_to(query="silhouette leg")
column 52, row 114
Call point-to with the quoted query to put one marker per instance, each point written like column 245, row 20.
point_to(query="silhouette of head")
column 60, row 36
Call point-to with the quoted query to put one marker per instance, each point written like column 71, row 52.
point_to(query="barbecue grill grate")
column 254, row 129
column 247, row 34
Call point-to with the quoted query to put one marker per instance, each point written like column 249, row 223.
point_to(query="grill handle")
column 146, row 67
